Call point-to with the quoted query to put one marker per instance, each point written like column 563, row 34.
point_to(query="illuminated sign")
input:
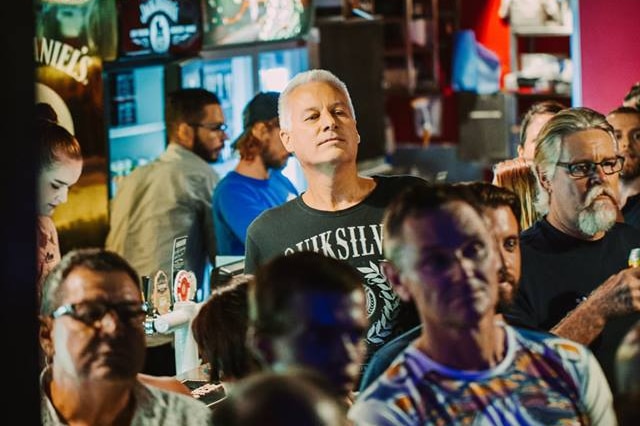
column 159, row 27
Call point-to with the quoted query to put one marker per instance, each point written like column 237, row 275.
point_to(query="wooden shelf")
column 135, row 130
column 542, row 95
column 542, row 31
column 394, row 20
column 552, row 40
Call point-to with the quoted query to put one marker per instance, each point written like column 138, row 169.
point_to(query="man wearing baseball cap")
column 256, row 183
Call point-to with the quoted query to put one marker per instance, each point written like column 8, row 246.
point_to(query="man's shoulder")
column 404, row 180
column 632, row 202
column 173, row 405
column 385, row 356
column 532, row 233
column 631, row 211
column 279, row 178
column 388, row 187
column 399, row 343
column 624, row 230
column 275, row 214
column 543, row 341
column 163, row 169
column 232, row 181
column 542, row 237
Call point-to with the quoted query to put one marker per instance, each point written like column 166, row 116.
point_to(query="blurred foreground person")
column 308, row 311
column 92, row 336
column 466, row 367
column 500, row 207
column 627, row 399
column 220, row 329
column 279, row 399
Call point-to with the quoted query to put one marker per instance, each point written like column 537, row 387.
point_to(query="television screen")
column 233, row 22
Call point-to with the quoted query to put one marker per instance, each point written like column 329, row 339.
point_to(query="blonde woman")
column 517, row 175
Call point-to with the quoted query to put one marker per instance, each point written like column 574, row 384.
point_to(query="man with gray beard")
column 626, row 124
column 575, row 280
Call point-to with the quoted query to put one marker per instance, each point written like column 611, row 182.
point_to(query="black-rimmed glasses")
column 213, row 127
column 91, row 312
column 582, row 169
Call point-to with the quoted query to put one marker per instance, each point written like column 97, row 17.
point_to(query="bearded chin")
column 630, row 172
column 598, row 217
column 201, row 151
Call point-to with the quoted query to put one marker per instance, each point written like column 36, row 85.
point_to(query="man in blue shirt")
column 256, row 184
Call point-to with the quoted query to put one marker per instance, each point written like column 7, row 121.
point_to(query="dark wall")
column 17, row 218
column 352, row 50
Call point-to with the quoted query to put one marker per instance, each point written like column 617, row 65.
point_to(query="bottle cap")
column 634, row 257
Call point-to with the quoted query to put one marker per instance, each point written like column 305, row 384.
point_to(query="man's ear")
column 44, row 336
column 395, row 279
column 544, row 180
column 285, row 137
column 259, row 130
column 186, row 135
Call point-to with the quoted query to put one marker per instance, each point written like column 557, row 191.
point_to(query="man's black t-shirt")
column 559, row 271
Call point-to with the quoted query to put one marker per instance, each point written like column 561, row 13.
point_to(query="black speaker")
column 352, row 49
column 486, row 126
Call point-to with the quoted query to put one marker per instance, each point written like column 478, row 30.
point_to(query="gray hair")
column 549, row 144
column 311, row 76
column 545, row 107
column 94, row 259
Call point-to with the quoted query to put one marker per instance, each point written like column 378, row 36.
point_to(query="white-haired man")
column 340, row 213
column 575, row 281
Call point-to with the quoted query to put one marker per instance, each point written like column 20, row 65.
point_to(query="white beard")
column 599, row 216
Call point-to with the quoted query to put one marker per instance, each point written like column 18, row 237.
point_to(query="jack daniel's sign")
column 72, row 39
column 159, row 27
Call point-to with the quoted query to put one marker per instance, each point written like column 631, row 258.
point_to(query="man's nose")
column 624, row 143
column 598, row 174
column 109, row 322
column 463, row 266
column 328, row 121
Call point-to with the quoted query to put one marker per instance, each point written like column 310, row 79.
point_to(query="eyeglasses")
column 214, row 127
column 587, row 168
column 91, row 312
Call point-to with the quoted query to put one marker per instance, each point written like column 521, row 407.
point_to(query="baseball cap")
column 263, row 107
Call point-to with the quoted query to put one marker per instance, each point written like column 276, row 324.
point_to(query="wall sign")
column 159, row 27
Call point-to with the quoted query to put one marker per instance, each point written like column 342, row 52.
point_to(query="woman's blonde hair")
column 517, row 175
